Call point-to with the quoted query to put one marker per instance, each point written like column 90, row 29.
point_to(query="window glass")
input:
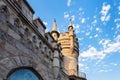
column 23, row 74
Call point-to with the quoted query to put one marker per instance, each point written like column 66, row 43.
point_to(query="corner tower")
column 70, row 51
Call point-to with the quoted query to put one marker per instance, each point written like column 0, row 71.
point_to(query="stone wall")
column 22, row 45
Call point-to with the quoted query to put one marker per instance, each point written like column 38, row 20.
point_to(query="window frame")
column 27, row 68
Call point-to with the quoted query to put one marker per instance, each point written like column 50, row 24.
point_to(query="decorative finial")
column 54, row 26
column 54, row 20
column 70, row 22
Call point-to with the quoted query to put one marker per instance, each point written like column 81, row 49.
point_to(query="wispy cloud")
column 92, row 53
column 73, row 17
column 105, row 70
column 113, row 64
column 66, row 15
column 69, row 16
column 117, row 21
column 77, row 28
column 87, row 33
column 94, row 22
column 108, row 47
column 96, row 35
column 118, row 9
column 98, row 29
column 83, row 20
column 105, row 9
column 68, row 3
column 90, row 37
column 45, row 23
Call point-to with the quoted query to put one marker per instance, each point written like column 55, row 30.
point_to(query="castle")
column 27, row 52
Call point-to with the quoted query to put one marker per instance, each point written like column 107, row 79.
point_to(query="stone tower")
column 70, row 51
column 54, row 32
column 56, row 54
column 25, row 47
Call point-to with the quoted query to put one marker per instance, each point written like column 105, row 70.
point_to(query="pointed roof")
column 70, row 24
column 54, row 26
column 54, row 29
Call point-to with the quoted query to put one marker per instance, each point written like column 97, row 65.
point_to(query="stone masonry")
column 24, row 44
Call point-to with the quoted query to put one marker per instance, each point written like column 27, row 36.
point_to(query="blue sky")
column 97, row 26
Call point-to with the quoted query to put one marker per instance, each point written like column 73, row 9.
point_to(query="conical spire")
column 70, row 24
column 54, row 32
column 54, row 26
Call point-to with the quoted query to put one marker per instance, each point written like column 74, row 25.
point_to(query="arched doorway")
column 24, row 74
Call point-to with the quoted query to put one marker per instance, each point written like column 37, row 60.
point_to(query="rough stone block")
column 13, row 34
column 2, row 44
column 22, row 47
column 11, row 49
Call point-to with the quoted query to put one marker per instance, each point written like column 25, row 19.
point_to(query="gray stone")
column 11, row 49
column 22, row 47
column 13, row 34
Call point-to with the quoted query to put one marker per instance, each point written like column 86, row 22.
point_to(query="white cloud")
column 90, row 27
column 114, row 64
column 105, row 70
column 81, row 65
column 116, row 20
column 104, row 43
column 73, row 17
column 87, row 33
column 95, row 16
column 108, row 47
column 45, row 23
column 112, row 47
column 98, row 29
column 83, row 20
column 68, row 3
column 66, row 15
column 92, row 53
column 96, row 35
column 91, row 37
column 94, row 22
column 105, row 9
column 117, row 25
column 76, row 27
column 107, row 17
column 80, row 9
column 119, row 9
column 80, row 39
column 47, row 30
column 117, row 38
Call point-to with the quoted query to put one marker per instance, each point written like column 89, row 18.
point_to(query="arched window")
column 23, row 74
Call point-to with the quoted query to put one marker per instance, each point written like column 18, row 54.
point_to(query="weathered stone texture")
column 24, row 44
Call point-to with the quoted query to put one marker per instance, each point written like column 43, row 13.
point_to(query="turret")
column 54, row 32
column 69, row 51
column 71, row 36
column 70, row 26
column 56, row 54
